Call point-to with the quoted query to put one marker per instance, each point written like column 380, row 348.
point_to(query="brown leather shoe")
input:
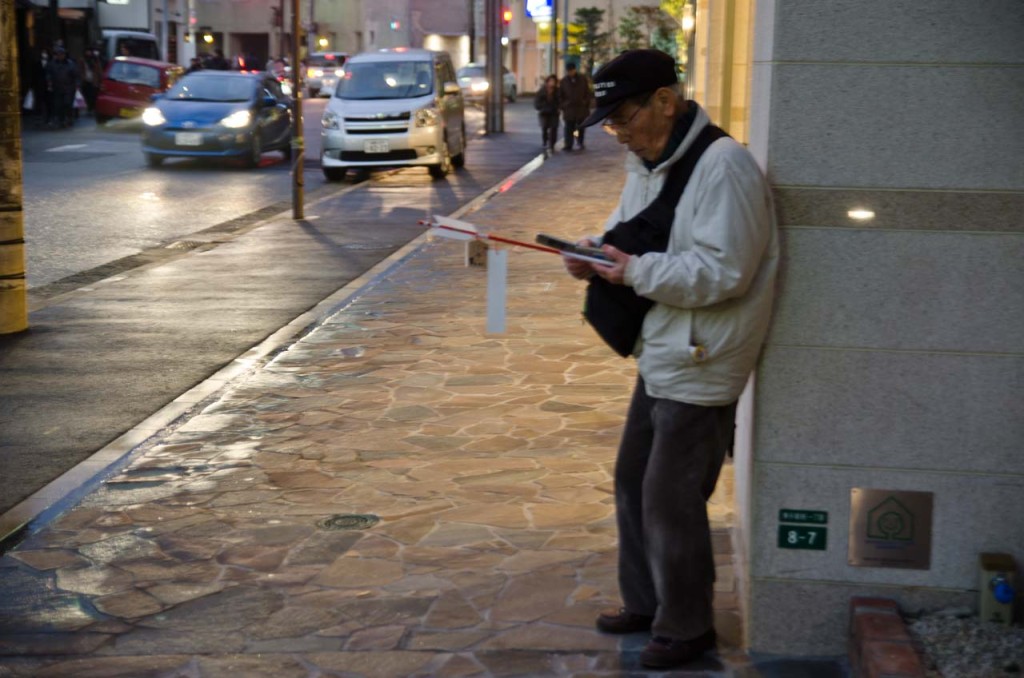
column 666, row 653
column 623, row 621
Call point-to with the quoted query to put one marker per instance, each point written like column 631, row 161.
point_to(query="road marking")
column 69, row 147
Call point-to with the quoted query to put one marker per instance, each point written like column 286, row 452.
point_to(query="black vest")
column 616, row 312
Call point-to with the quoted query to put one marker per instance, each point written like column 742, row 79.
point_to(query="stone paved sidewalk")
column 486, row 460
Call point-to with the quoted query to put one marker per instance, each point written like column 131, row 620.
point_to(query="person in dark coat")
column 218, row 62
column 546, row 102
column 576, row 97
column 42, row 104
column 62, row 83
column 91, row 74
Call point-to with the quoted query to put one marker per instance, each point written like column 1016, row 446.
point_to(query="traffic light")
column 506, row 16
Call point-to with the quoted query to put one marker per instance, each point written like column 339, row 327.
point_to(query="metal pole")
column 298, row 147
column 472, row 30
column 163, row 30
column 565, row 31
column 193, row 51
column 552, row 35
column 311, row 44
column 494, row 101
column 282, row 48
column 13, row 292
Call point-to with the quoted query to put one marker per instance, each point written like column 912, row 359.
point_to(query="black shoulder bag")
column 616, row 312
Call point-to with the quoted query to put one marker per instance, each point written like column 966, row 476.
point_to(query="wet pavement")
column 108, row 347
column 396, row 493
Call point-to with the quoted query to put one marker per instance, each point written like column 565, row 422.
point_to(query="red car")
column 129, row 84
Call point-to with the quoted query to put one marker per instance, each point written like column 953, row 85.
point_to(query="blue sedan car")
column 218, row 114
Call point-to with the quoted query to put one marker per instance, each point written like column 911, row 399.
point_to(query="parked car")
column 395, row 107
column 218, row 114
column 322, row 71
column 129, row 84
column 474, row 83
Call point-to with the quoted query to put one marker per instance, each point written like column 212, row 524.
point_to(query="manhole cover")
column 348, row 522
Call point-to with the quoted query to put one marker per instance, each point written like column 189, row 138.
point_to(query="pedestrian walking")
column 547, row 104
column 709, row 280
column 195, row 64
column 218, row 62
column 91, row 74
column 576, row 98
column 41, row 99
column 62, row 83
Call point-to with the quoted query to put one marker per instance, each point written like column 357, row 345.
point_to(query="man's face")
column 644, row 127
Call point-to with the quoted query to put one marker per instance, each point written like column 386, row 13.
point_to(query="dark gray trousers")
column 669, row 460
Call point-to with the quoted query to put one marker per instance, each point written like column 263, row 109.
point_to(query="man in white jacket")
column 712, row 291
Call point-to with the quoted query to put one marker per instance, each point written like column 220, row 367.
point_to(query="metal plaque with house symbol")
column 890, row 528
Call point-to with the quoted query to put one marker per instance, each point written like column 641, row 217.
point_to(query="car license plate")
column 376, row 146
column 188, row 138
column 129, row 112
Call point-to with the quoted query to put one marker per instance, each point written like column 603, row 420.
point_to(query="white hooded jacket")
column 714, row 285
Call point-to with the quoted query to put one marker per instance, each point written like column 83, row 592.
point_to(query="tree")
column 648, row 27
column 630, row 31
column 593, row 43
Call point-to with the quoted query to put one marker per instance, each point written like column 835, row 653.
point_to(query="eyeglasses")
column 614, row 128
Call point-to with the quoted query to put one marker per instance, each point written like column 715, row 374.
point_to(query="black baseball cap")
column 629, row 74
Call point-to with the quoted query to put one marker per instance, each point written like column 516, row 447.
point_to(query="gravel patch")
column 957, row 644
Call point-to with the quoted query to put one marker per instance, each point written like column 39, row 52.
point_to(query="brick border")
column 880, row 646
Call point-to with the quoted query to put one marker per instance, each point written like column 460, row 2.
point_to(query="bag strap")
column 679, row 174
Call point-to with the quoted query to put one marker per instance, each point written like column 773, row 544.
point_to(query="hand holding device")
column 593, row 254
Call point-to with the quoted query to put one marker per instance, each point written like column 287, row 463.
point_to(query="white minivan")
column 393, row 108
column 130, row 43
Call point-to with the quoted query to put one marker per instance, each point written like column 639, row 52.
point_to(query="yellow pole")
column 13, row 297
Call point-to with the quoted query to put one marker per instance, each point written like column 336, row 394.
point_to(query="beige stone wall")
column 895, row 358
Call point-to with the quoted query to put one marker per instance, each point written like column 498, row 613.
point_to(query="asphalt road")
column 100, row 358
column 90, row 199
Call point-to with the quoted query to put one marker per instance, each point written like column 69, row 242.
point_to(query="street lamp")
column 689, row 23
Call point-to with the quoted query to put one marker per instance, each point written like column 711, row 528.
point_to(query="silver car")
column 322, row 69
column 394, row 108
column 474, row 83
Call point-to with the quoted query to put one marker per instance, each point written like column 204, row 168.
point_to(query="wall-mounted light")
column 504, row 40
column 208, row 38
column 323, row 42
column 860, row 214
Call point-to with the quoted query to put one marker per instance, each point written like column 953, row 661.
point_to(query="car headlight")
column 427, row 117
column 237, row 119
column 331, row 120
column 479, row 86
column 153, row 117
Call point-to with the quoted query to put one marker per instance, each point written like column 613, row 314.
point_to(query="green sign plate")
column 804, row 517
column 803, row 537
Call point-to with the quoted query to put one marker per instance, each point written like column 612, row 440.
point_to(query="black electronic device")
column 572, row 248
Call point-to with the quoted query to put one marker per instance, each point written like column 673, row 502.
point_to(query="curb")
column 880, row 645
